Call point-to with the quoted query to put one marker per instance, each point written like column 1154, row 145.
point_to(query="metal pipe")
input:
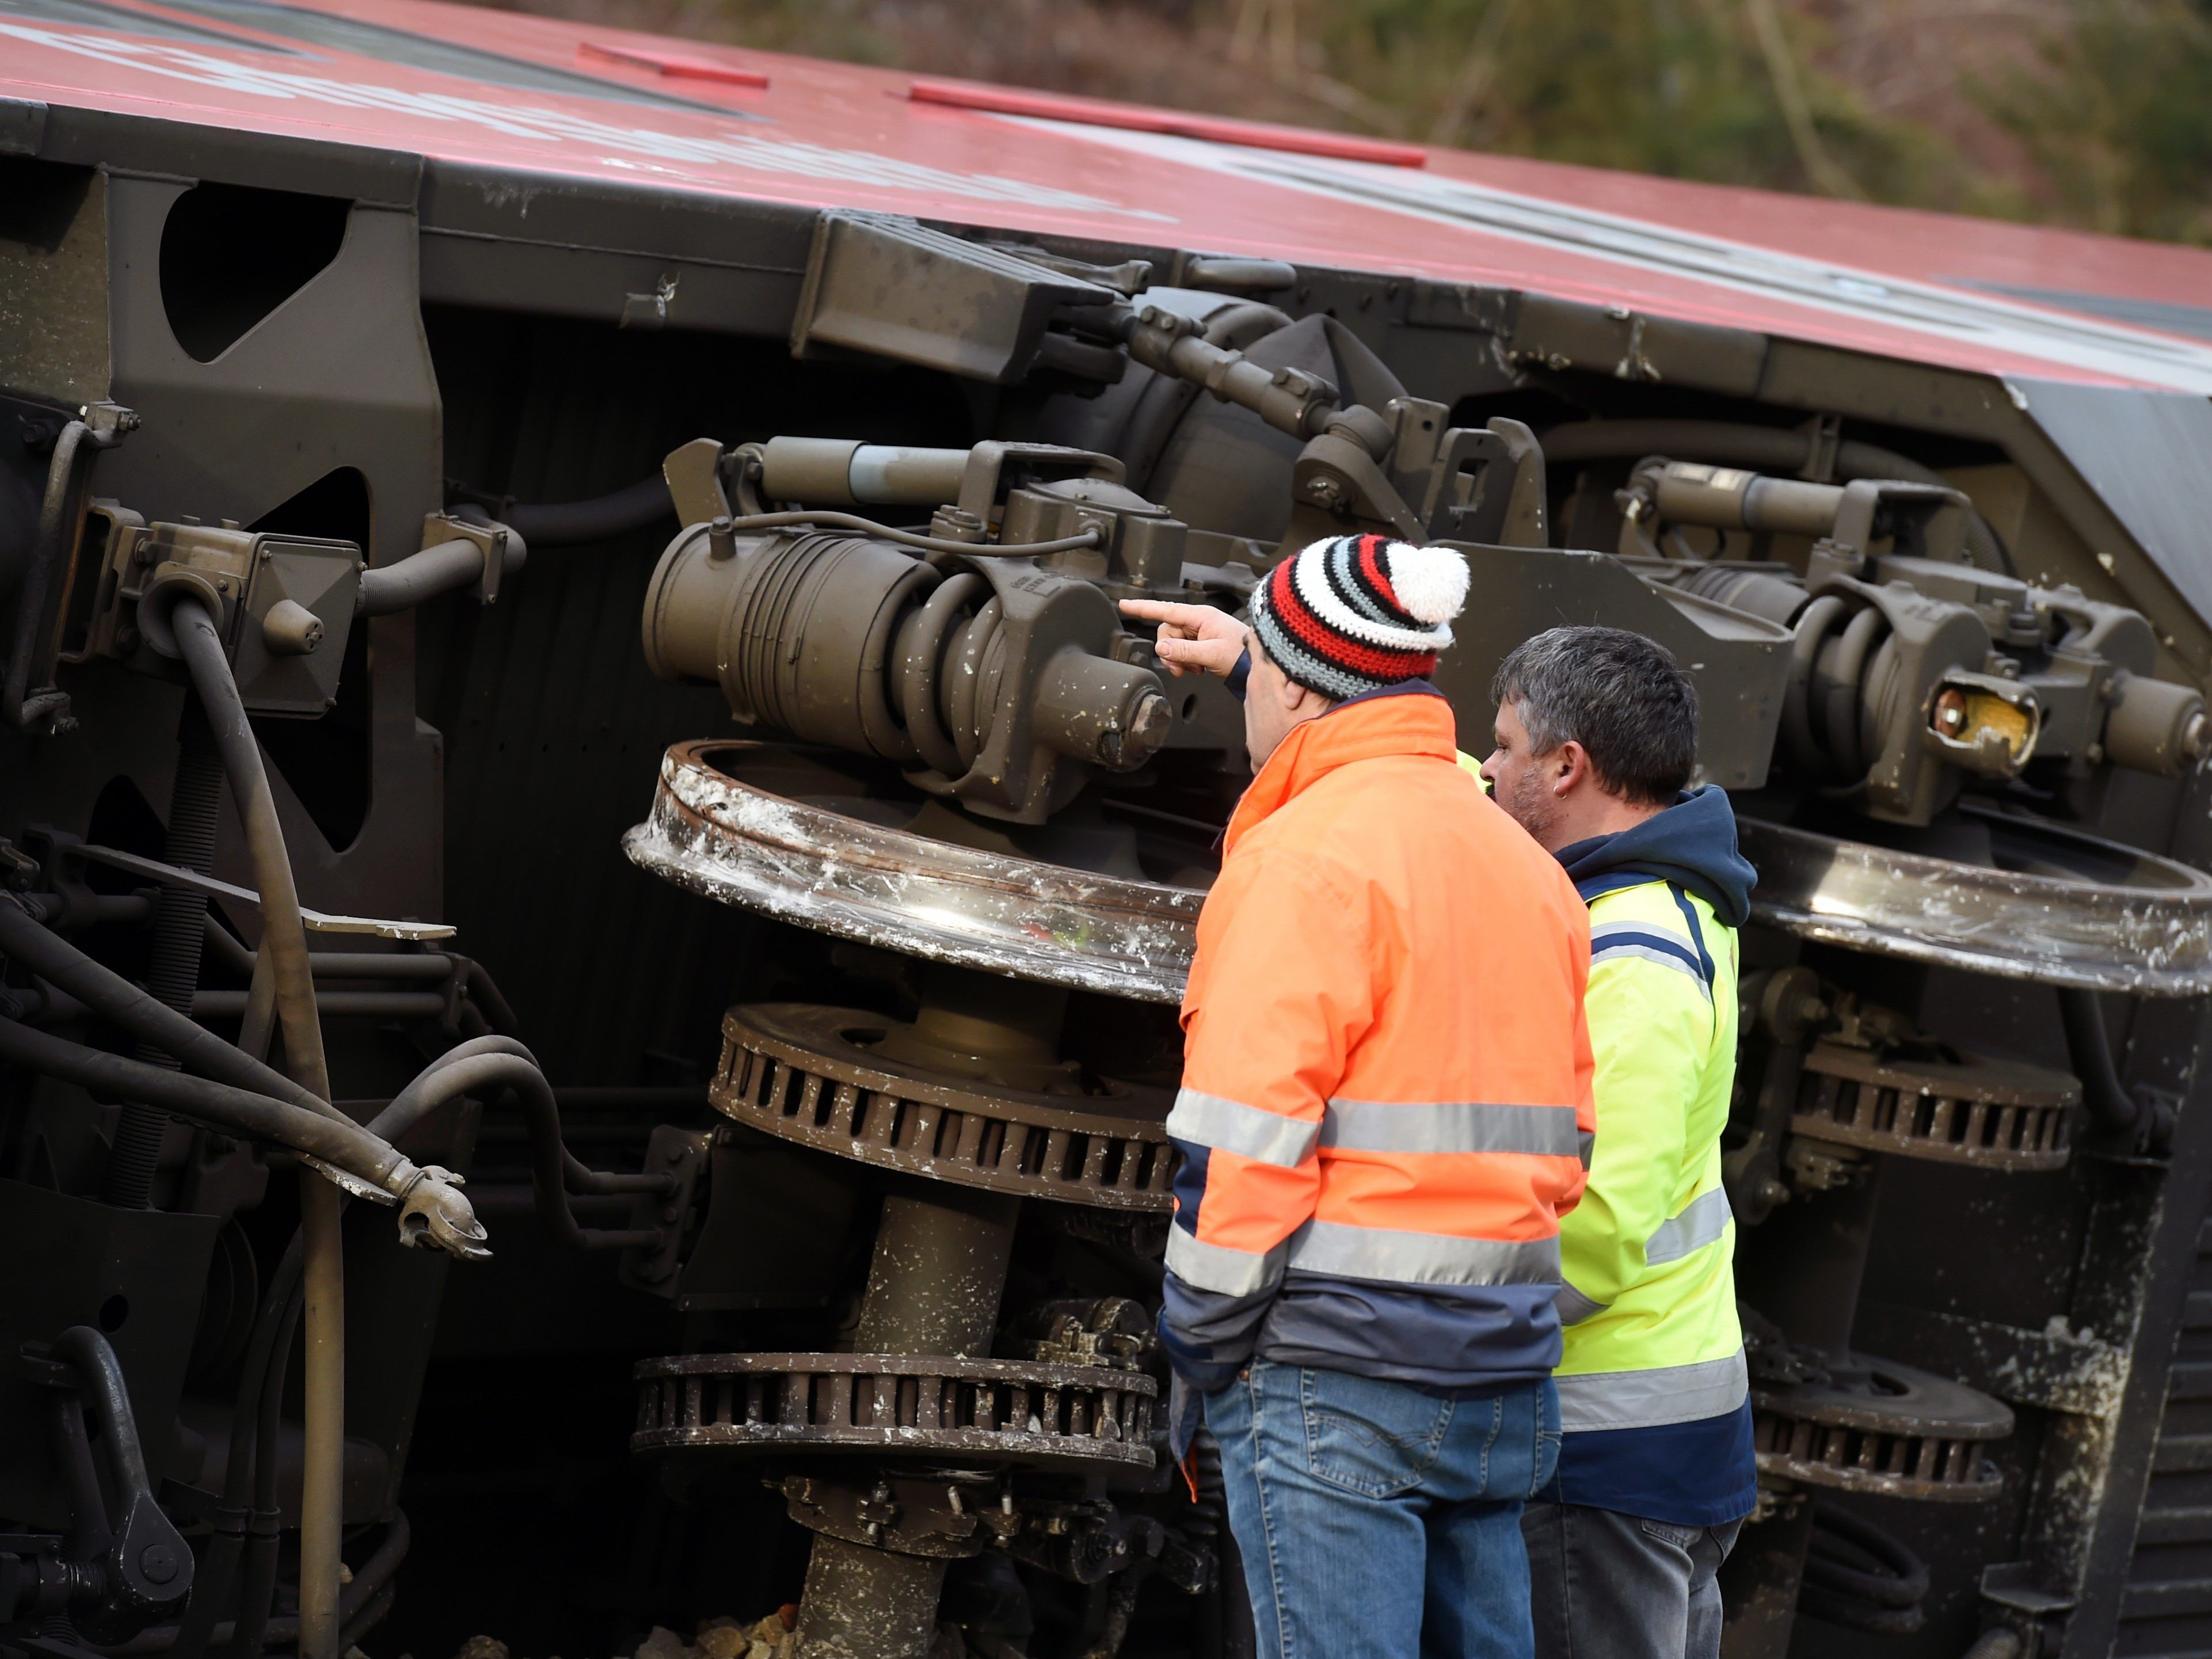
column 24, row 712
column 1737, row 443
column 418, row 579
column 934, row 1287
column 371, row 1004
column 338, row 964
column 322, row 1473
column 921, row 543
column 844, row 472
column 2112, row 1106
column 285, row 939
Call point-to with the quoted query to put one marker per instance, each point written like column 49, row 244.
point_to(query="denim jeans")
column 1610, row 1586
column 1346, row 1493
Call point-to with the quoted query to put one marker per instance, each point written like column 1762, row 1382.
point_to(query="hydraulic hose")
column 2111, row 1105
column 334, row 1140
column 258, row 1590
column 24, row 711
column 180, row 921
column 571, row 524
column 284, row 942
column 1766, row 447
column 122, row 1004
column 554, row 1171
column 421, row 577
column 212, row 1587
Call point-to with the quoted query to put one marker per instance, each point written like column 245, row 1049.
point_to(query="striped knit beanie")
column 1355, row 613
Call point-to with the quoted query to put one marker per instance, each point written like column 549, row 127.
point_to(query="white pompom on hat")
column 1431, row 582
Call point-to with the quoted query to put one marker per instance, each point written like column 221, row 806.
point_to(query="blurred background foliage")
column 2096, row 113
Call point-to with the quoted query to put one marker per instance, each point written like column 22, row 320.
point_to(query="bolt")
column 1949, row 716
column 158, row 1561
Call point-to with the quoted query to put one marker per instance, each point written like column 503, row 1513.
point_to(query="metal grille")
column 2166, row 1607
column 1999, row 1114
column 1922, row 1466
column 1000, row 1410
column 792, row 1070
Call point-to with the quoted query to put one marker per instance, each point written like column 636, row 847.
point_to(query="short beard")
column 1532, row 807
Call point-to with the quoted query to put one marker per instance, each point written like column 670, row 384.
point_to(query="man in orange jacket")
column 1385, row 1110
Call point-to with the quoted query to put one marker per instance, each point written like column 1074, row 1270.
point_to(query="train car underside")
column 385, row 567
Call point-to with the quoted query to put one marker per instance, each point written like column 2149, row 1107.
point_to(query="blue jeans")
column 1613, row 1586
column 1345, row 1492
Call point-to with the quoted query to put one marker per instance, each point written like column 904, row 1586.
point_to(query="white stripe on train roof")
column 1988, row 320
column 751, row 151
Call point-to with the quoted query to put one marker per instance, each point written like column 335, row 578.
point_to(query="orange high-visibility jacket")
column 1386, row 1100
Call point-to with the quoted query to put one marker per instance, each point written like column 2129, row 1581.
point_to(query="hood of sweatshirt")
column 1691, row 843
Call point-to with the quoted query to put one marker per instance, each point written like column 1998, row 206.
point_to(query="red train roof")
column 512, row 94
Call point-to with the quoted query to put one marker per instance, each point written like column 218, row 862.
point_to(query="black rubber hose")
column 421, row 577
column 334, row 1140
column 217, row 1580
column 180, row 922
column 1856, row 1559
column 555, row 1170
column 2111, row 1105
column 259, row 1589
column 25, row 712
column 1767, row 447
column 284, row 934
column 119, row 1002
column 571, row 524
column 408, row 1107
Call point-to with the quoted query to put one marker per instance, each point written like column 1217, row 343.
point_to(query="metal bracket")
column 318, row 922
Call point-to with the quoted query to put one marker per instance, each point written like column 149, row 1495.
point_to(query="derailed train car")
column 431, row 428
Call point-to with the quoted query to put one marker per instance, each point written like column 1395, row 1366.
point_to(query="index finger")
column 1158, row 610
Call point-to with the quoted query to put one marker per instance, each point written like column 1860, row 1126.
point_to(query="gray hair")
column 1618, row 695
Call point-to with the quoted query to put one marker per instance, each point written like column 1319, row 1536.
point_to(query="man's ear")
column 1297, row 698
column 1569, row 767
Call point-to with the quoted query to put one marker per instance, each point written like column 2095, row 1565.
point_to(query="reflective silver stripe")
column 1330, row 1247
column 1230, row 1126
column 1574, row 1307
column 1217, row 1268
column 1641, row 1400
column 1704, row 1222
column 1452, row 1126
column 1630, row 948
column 1585, row 1143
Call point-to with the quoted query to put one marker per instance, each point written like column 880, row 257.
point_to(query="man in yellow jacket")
column 1596, row 738
column 1385, row 1099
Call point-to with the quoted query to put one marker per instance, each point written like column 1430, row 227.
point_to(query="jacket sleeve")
column 1288, row 991
column 1649, row 1033
column 1585, row 1099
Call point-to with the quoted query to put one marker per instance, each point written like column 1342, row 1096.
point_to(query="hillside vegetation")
column 2090, row 112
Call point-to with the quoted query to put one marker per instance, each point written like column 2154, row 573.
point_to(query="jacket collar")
column 1691, row 843
column 1410, row 718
